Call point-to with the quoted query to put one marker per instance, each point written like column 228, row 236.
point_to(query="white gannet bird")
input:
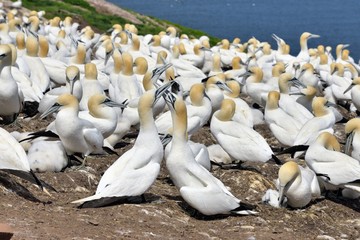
column 73, row 86
column 77, row 135
column 38, row 73
column 334, row 168
column 198, row 112
column 355, row 92
column 197, row 58
column 324, row 120
column 239, row 141
column 288, row 103
column 13, row 158
column 214, row 86
column 352, row 130
column 283, row 126
column 11, row 97
column 136, row 170
column 304, row 52
column 299, row 185
column 243, row 113
column 102, row 114
column 90, row 85
column 197, row 186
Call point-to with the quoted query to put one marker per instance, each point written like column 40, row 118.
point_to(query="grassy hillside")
column 83, row 12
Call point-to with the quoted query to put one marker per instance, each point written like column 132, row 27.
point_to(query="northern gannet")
column 241, row 142
column 136, row 170
column 333, row 167
column 11, row 97
column 197, row 186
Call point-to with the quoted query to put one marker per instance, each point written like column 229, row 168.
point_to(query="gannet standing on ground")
column 197, row 186
column 136, row 170
column 77, row 135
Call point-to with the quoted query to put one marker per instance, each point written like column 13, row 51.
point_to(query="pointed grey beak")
column 348, row 144
column 345, row 46
column 107, row 56
column 223, row 86
column 162, row 90
column 109, row 30
column 297, row 93
column 295, row 82
column 52, row 109
column 110, row 103
column 314, row 36
column 330, row 104
column 349, row 88
column 281, row 195
column 158, row 71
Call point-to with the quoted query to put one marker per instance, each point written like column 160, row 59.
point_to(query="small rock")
column 251, row 238
column 81, row 189
column 249, row 228
column 93, row 222
column 324, row 237
column 343, row 235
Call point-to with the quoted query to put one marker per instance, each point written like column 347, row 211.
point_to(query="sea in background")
column 337, row 21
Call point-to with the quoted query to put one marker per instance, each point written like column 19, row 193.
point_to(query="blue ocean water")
column 337, row 21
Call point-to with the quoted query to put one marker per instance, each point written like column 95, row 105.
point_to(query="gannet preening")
column 136, row 170
column 334, row 168
column 352, row 130
column 76, row 134
column 197, row 186
column 299, row 185
column 239, row 141
column 11, row 97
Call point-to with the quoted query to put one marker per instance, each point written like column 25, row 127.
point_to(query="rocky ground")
column 165, row 215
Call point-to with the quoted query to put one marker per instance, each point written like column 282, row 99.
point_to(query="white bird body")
column 41, row 156
column 284, row 127
column 324, row 120
column 239, row 141
column 197, row 186
column 136, row 170
column 336, row 168
column 298, row 184
column 12, row 155
column 77, row 135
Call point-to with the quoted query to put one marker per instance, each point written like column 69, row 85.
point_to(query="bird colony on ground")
column 99, row 86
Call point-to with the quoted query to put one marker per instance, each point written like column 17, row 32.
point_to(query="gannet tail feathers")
column 102, row 202
column 244, row 209
column 294, row 149
column 42, row 133
column 276, row 159
column 28, row 176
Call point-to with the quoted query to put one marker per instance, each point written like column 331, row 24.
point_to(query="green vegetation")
column 82, row 11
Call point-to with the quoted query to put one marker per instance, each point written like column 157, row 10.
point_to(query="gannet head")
column 96, row 101
column 64, row 100
column 197, row 93
column 273, row 100
column 351, row 127
column 278, row 69
column 32, row 46
column 319, row 106
column 227, row 110
column 235, row 88
column 236, row 62
column 5, row 55
column 288, row 172
column 354, row 82
column 307, row 35
column 43, row 46
column 256, row 73
column 72, row 75
column 171, row 31
column 329, row 141
column 141, row 65
column 91, row 71
column 109, row 50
